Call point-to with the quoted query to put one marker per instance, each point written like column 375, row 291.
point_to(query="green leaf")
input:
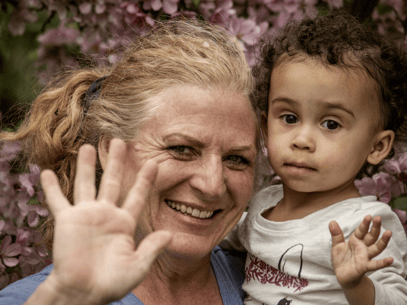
column 383, row 9
column 399, row 203
column 196, row 2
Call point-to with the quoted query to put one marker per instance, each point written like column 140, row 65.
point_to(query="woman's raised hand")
column 96, row 260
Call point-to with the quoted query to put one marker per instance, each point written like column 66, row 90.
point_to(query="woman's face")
column 204, row 144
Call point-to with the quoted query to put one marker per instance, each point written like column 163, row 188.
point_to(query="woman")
column 180, row 99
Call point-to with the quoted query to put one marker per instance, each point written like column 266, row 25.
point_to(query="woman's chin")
column 190, row 246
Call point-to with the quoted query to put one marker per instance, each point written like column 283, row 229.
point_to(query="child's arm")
column 352, row 259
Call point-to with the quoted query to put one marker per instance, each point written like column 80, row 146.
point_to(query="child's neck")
column 297, row 205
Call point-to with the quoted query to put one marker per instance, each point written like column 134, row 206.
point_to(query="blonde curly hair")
column 173, row 53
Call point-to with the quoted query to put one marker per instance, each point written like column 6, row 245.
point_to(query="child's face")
column 322, row 125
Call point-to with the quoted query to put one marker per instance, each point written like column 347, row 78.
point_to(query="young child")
column 334, row 98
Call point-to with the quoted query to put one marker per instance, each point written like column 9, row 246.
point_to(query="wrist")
column 361, row 291
column 51, row 292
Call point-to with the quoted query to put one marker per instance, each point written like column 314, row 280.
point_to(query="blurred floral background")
column 40, row 37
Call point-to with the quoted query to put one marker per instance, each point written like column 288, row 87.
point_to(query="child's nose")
column 304, row 139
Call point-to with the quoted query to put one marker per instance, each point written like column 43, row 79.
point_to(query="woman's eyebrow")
column 196, row 142
column 178, row 135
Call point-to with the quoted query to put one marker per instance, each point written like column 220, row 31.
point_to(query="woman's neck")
column 173, row 280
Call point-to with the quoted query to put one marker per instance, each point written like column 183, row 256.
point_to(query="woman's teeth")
column 189, row 211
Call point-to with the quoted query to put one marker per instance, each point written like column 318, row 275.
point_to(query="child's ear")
column 264, row 129
column 382, row 146
column 103, row 151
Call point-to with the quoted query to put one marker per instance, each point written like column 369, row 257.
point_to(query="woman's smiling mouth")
column 193, row 212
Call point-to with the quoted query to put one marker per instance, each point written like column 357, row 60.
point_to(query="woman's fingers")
column 148, row 250
column 110, row 186
column 55, row 198
column 138, row 194
column 84, row 186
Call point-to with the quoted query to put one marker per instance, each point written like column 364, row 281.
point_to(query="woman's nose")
column 304, row 139
column 209, row 179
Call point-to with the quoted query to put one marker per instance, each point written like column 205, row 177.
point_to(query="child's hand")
column 352, row 259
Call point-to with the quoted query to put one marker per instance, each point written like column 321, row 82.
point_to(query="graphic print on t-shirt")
column 290, row 263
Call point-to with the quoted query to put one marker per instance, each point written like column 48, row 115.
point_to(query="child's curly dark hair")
column 339, row 39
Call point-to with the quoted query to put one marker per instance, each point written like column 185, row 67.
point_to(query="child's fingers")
column 336, row 233
column 84, row 186
column 379, row 264
column 363, row 228
column 381, row 244
column 56, row 200
column 374, row 233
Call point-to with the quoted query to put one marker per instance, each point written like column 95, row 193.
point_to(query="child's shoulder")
column 358, row 208
column 268, row 196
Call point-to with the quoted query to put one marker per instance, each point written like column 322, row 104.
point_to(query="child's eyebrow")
column 324, row 104
column 337, row 105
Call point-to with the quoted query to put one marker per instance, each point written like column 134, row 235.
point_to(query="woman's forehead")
column 204, row 113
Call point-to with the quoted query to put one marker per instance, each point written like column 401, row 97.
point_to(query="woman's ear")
column 382, row 146
column 103, row 151
column 264, row 129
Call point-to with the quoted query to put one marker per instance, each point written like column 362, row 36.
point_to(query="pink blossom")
column 59, row 36
column 59, row 7
column 170, row 6
column 18, row 19
column 156, row 5
column 9, row 151
column 247, row 30
column 100, row 7
column 396, row 165
column 85, row 8
column 335, row 3
column 8, row 250
column 402, row 215
column 382, row 185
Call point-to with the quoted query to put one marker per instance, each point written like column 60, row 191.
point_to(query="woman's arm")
column 95, row 257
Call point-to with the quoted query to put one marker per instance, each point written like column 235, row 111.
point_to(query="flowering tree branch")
column 98, row 29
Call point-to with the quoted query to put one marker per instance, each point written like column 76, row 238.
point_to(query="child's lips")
column 299, row 165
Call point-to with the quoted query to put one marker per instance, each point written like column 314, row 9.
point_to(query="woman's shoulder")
column 228, row 267
column 19, row 291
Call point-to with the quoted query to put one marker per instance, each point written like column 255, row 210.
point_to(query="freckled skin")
column 193, row 138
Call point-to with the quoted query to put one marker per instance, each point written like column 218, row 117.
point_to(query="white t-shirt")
column 290, row 262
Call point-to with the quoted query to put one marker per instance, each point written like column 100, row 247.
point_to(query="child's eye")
column 330, row 124
column 236, row 162
column 182, row 151
column 290, row 119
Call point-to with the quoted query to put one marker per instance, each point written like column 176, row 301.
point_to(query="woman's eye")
column 290, row 119
column 331, row 125
column 237, row 162
column 183, row 151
